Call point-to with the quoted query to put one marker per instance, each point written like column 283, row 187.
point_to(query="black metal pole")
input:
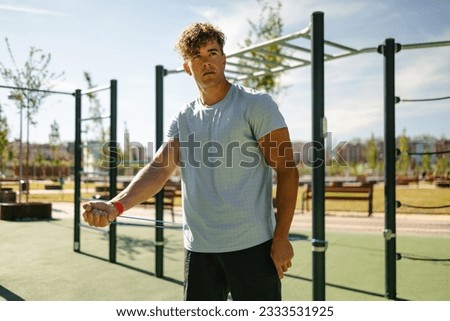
column 77, row 172
column 388, row 50
column 319, row 244
column 159, row 243
column 115, row 161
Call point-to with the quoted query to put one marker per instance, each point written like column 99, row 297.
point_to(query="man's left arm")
column 277, row 149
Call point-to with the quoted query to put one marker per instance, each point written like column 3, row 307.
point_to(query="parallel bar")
column 113, row 149
column 388, row 50
column 259, row 61
column 159, row 199
column 349, row 54
column 77, row 172
column 295, row 47
column 425, row 99
column 426, row 45
column 95, row 89
column 279, row 40
column 292, row 58
column 279, row 55
column 246, row 66
column 339, row 46
column 318, row 154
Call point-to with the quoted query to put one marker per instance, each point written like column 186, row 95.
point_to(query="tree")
column 372, row 153
column 32, row 82
column 54, row 139
column 426, row 162
column 3, row 139
column 34, row 75
column 268, row 27
column 404, row 159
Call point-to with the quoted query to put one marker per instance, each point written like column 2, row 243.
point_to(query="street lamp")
column 18, row 97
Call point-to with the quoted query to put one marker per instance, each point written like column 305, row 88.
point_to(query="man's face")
column 207, row 65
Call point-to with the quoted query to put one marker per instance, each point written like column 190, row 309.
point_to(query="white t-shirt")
column 227, row 185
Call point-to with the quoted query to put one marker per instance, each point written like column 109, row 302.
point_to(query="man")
column 226, row 143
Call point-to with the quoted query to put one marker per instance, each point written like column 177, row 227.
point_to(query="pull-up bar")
column 78, row 163
column 78, row 152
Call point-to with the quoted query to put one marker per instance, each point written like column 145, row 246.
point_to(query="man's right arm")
column 148, row 182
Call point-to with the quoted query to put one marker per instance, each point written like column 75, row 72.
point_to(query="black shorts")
column 248, row 275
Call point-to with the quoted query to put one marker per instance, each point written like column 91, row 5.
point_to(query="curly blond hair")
column 195, row 36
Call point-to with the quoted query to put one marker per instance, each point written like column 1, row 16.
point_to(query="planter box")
column 25, row 211
column 7, row 196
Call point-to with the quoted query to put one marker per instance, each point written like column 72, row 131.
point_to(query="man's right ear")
column 187, row 69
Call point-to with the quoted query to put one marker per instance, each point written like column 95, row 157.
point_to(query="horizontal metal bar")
column 282, row 56
column 349, row 54
column 292, row 58
column 94, row 90
column 239, row 65
column 275, row 41
column 426, row 45
column 425, row 99
column 336, row 45
column 298, row 48
column 295, row 47
column 175, row 71
column 263, row 62
column 282, row 41
column 39, row 90
column 236, row 72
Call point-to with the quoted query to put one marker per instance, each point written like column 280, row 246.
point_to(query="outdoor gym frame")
column 315, row 33
column 78, row 168
column 112, row 170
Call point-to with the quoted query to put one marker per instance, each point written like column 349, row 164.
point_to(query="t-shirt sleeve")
column 264, row 117
column 173, row 131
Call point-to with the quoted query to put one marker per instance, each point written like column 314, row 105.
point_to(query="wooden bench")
column 363, row 192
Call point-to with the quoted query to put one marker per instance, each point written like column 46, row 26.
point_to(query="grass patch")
column 415, row 196
column 355, row 269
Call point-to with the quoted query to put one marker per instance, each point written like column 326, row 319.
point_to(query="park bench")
column 168, row 200
column 362, row 192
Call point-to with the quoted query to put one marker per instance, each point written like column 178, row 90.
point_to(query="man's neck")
column 212, row 95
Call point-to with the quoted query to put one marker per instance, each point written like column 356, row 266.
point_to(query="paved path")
column 407, row 224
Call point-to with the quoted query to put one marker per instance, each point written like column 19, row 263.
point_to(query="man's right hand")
column 99, row 214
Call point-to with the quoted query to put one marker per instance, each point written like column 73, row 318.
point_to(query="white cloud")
column 351, row 118
column 422, row 73
column 30, row 10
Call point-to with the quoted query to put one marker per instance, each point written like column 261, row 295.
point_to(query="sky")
column 126, row 39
